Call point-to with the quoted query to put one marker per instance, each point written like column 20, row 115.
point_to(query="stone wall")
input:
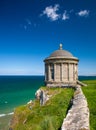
column 78, row 116
column 61, row 70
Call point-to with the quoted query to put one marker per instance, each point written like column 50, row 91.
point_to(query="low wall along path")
column 78, row 116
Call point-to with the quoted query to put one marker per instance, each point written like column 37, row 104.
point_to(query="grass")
column 47, row 117
column 90, row 93
column 51, row 115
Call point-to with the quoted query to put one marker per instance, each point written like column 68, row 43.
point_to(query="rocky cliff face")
column 42, row 96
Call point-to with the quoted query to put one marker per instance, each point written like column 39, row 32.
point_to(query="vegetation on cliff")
column 47, row 117
column 90, row 93
column 51, row 115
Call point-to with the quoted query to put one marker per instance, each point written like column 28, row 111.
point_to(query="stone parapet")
column 78, row 116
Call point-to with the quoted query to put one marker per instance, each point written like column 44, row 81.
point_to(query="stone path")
column 78, row 116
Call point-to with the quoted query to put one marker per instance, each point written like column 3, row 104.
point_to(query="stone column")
column 57, row 76
column 68, row 71
column 65, row 72
column 73, row 72
column 54, row 72
column 60, row 72
column 76, row 72
column 49, row 73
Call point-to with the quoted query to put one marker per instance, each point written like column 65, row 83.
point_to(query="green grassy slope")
column 47, row 117
column 51, row 115
column 90, row 93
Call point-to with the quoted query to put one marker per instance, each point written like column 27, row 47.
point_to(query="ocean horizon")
column 17, row 90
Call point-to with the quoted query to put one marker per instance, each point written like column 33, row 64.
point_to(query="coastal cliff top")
column 48, row 116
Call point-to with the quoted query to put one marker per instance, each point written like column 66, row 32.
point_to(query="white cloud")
column 83, row 13
column 53, row 15
column 51, row 12
column 65, row 15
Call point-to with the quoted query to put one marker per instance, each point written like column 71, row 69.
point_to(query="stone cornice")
column 67, row 61
column 61, row 58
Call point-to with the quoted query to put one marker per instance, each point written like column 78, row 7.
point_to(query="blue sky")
column 30, row 30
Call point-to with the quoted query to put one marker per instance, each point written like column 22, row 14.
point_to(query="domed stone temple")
column 61, row 69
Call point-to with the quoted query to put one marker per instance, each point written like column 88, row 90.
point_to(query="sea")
column 16, row 91
column 19, row 90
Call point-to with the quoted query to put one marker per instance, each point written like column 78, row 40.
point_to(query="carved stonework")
column 61, row 68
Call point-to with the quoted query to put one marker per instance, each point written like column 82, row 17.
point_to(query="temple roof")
column 61, row 53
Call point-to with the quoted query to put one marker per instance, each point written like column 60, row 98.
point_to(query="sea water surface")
column 18, row 90
column 15, row 91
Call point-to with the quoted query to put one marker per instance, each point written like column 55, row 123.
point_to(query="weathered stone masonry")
column 61, row 69
column 78, row 116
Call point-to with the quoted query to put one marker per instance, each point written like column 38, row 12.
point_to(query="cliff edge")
column 46, row 112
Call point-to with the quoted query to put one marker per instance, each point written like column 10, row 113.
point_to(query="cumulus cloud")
column 65, row 15
column 51, row 12
column 83, row 13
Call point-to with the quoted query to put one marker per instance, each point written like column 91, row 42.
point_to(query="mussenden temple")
column 61, row 69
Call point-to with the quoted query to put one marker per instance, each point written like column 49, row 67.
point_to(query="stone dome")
column 61, row 53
